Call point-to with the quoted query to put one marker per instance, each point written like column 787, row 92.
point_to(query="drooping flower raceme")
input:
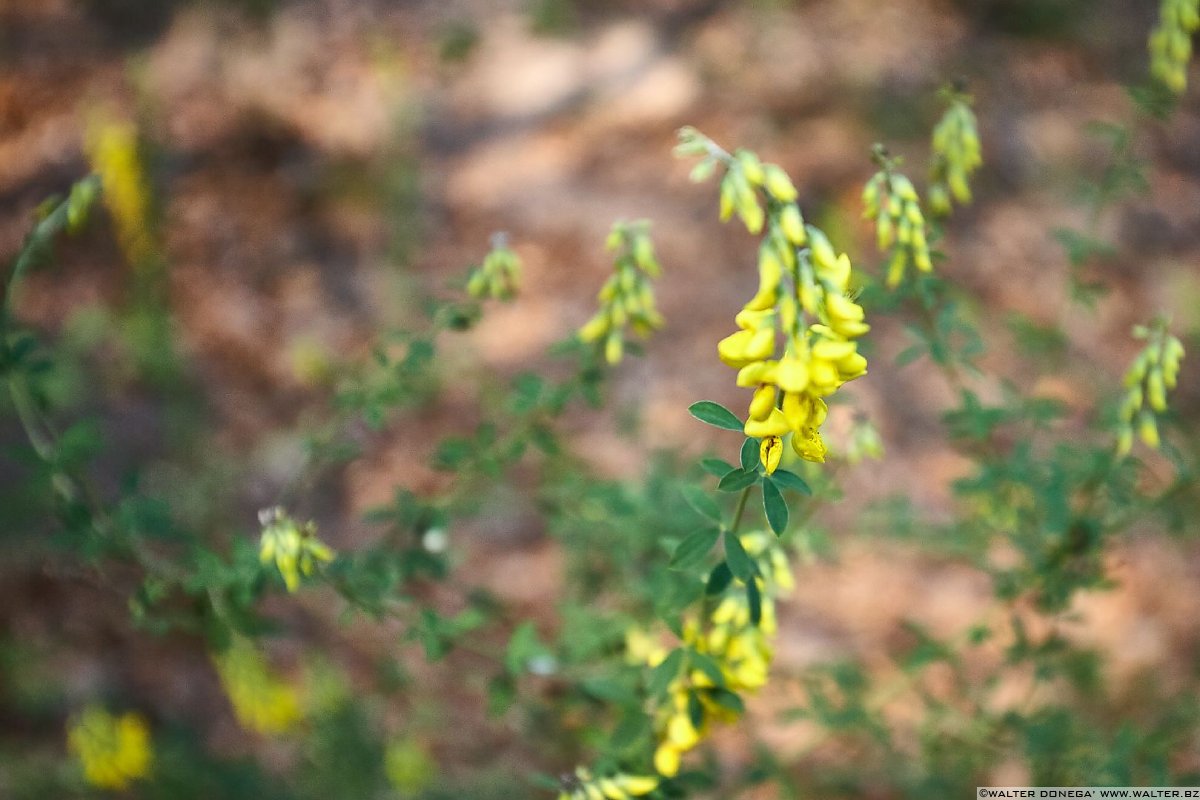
column 499, row 276
column 294, row 548
column 627, row 297
column 795, row 343
column 890, row 199
column 114, row 750
column 956, row 153
column 731, row 652
column 1171, row 42
column 1153, row 373
column 112, row 148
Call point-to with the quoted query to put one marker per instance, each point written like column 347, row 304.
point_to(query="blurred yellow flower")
column 261, row 701
column 114, row 751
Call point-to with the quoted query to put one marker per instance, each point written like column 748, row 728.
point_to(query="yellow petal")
column 774, row 425
column 763, row 402
column 770, row 451
column 792, row 374
column 666, row 760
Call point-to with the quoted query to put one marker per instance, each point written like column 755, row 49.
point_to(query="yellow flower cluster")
column 1171, row 42
column 261, row 701
column 740, row 648
column 584, row 786
column 114, row 751
column 956, row 153
column 112, row 148
column 802, row 299
column 294, row 548
column 891, row 200
column 627, row 297
column 499, row 276
column 1152, row 374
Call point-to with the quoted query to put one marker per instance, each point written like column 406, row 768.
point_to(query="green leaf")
column 695, row 710
column 666, row 672
column 754, row 600
column 692, row 551
column 775, row 507
column 703, row 505
column 738, row 560
column 737, row 480
column 910, row 354
column 727, row 699
column 633, row 728
column 716, row 466
column 790, row 480
column 718, row 579
column 749, row 455
column 715, row 414
column 523, row 647
column 708, row 665
column 611, row 691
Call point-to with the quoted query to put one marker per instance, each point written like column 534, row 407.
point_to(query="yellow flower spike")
column 774, row 425
column 295, row 549
column 809, row 446
column 1147, row 381
column 770, row 451
column 499, row 276
column 763, row 402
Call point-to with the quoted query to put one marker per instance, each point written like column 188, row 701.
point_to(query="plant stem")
column 741, row 508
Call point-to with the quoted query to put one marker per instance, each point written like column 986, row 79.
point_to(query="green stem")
column 741, row 508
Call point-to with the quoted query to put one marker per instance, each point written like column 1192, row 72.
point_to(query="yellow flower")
column 627, row 298
column 114, row 751
column 770, row 453
column 809, row 446
column 261, row 701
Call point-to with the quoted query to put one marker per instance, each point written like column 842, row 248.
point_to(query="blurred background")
column 317, row 168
